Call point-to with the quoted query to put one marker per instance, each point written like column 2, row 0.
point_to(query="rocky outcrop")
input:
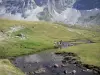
column 73, row 58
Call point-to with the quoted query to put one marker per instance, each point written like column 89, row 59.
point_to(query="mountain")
column 66, row 11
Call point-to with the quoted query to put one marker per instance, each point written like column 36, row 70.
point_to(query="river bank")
column 20, row 38
column 49, row 63
column 73, row 58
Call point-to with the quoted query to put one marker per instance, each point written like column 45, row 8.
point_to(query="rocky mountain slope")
column 49, row 10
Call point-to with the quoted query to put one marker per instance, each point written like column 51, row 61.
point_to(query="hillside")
column 66, row 11
column 20, row 38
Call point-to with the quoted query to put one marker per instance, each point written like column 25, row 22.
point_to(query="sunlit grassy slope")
column 88, row 53
column 39, row 36
column 6, row 68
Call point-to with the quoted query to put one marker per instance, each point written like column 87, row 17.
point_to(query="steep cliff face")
column 64, row 11
column 17, row 6
column 19, row 9
column 89, row 17
column 48, row 10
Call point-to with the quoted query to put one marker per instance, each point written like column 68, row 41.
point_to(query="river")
column 48, row 63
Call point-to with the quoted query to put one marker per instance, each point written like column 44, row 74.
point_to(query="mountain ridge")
column 50, row 10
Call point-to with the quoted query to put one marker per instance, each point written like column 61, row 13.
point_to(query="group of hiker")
column 58, row 44
column 62, row 44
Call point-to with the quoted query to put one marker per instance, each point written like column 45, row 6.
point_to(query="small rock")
column 74, row 71
column 63, row 65
column 15, row 62
column 64, row 61
column 31, row 73
column 22, row 36
column 41, row 70
column 88, row 70
column 56, row 65
column 23, row 66
column 83, row 70
column 37, row 61
column 65, row 72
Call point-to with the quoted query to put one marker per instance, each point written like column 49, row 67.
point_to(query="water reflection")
column 43, row 64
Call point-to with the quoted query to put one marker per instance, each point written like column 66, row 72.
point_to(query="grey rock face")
column 49, row 10
column 17, row 6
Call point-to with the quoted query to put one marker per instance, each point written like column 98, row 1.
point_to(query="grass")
column 6, row 68
column 88, row 53
column 39, row 36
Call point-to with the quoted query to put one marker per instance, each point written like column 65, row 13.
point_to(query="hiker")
column 55, row 44
column 60, row 44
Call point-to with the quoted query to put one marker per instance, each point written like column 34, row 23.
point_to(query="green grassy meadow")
column 21, row 38
column 88, row 53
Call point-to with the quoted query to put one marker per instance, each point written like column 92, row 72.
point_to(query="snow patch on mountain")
column 69, row 16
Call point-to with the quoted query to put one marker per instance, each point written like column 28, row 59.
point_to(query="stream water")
column 47, row 63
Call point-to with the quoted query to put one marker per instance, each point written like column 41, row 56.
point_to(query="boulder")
column 65, row 72
column 56, row 65
column 74, row 71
